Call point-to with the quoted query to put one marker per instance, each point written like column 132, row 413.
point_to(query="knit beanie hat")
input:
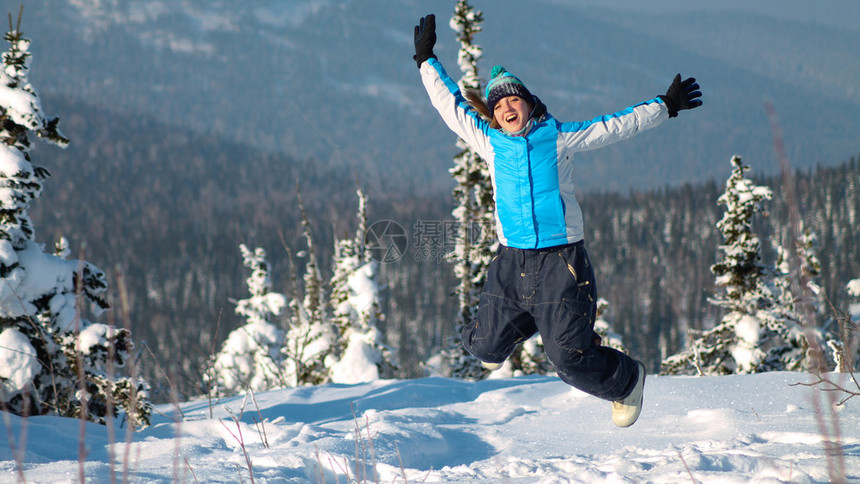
column 502, row 84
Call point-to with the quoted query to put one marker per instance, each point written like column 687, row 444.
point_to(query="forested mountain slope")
column 335, row 81
column 168, row 221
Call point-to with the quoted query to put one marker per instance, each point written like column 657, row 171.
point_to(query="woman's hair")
column 473, row 96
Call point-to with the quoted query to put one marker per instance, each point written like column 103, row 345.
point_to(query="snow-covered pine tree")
column 602, row 327
column 474, row 210
column 831, row 331
column 251, row 355
column 755, row 334
column 52, row 360
column 790, row 349
column 853, row 289
column 810, row 268
column 362, row 353
column 311, row 335
column 852, row 340
column 349, row 254
column 844, row 340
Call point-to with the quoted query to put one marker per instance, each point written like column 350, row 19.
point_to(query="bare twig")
column 177, row 441
column 831, row 434
column 692, row 479
column 261, row 430
column 321, row 473
column 360, row 452
column 109, row 421
column 79, row 361
column 241, row 440
column 166, row 377
column 132, row 372
column 826, row 384
column 400, row 461
column 193, row 474
column 239, row 473
column 211, row 369
column 343, row 468
column 372, row 449
column 756, row 414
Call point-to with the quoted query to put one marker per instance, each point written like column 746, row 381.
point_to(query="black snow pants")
column 551, row 291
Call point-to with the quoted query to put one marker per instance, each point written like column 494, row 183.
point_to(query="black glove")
column 682, row 95
column 425, row 39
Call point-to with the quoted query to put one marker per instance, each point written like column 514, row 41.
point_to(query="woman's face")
column 512, row 113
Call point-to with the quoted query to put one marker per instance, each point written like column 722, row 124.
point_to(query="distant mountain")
column 334, row 80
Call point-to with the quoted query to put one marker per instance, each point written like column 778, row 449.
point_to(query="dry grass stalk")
column 828, row 421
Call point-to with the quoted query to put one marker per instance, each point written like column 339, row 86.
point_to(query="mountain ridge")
column 334, row 81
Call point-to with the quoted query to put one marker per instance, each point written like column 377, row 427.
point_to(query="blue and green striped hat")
column 502, row 84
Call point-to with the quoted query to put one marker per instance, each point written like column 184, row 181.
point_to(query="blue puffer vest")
column 532, row 175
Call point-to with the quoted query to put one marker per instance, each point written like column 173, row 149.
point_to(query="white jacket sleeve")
column 460, row 117
column 611, row 128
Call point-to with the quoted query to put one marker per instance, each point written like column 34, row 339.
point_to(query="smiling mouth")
column 511, row 118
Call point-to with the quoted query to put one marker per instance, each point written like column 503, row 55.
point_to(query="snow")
column 18, row 361
column 96, row 334
column 365, row 350
column 743, row 428
column 12, row 162
column 250, row 356
column 746, row 352
column 854, row 287
column 21, row 106
column 39, row 274
column 7, row 252
column 360, row 359
column 258, row 308
column 364, row 291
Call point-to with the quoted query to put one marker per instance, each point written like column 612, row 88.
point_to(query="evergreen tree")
column 852, row 338
column 355, row 302
column 474, row 210
column 810, row 272
column 311, row 335
column 810, row 267
column 52, row 360
column 791, row 349
column 251, row 356
column 528, row 359
column 604, row 329
column 844, row 338
column 349, row 255
column 760, row 332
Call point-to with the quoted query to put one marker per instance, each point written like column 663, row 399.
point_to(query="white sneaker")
column 492, row 366
column 625, row 412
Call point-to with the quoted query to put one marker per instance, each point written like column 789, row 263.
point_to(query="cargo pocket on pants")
column 574, row 326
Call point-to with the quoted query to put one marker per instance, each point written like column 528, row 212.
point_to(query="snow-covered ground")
column 752, row 428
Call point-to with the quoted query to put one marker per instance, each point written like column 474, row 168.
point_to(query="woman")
column 541, row 280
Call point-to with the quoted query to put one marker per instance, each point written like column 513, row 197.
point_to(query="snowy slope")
column 755, row 428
